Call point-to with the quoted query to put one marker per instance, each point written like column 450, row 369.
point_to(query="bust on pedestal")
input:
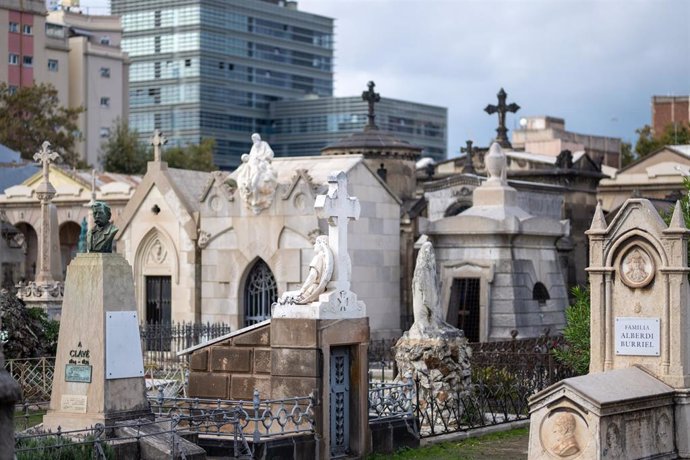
column 99, row 373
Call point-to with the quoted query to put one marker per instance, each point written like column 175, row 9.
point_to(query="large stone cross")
column 338, row 208
column 371, row 98
column 502, row 108
column 157, row 141
column 45, row 156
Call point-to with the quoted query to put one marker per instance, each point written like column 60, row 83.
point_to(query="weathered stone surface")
column 226, row 359
column 288, row 387
column 293, row 332
column 154, row 444
column 242, row 387
column 295, row 362
column 258, row 337
column 208, row 385
column 199, row 361
column 262, row 361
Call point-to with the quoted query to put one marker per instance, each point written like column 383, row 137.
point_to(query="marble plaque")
column 638, row 336
column 123, row 358
column 73, row 403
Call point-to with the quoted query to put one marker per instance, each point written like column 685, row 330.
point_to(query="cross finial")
column 157, row 141
column 502, row 108
column 338, row 208
column 468, row 167
column 45, row 156
column 371, row 98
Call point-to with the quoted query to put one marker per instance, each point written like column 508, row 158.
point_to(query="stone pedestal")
column 441, row 365
column 331, row 305
column 99, row 375
column 301, row 351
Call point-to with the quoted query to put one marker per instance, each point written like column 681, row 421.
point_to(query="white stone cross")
column 157, row 141
column 45, row 156
column 338, row 208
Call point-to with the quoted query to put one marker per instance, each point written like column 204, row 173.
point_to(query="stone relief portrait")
column 637, row 268
column 563, row 434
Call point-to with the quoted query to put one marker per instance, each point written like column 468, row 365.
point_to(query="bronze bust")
column 100, row 237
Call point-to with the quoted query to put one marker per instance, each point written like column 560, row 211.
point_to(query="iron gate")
column 340, row 401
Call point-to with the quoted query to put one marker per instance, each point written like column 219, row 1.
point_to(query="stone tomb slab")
column 620, row 414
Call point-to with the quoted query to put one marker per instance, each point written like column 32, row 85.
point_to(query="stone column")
column 47, row 289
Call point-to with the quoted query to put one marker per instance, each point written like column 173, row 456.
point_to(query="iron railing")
column 34, row 375
column 161, row 341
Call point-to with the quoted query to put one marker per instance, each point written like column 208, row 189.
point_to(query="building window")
column 28, row 61
column 187, row 62
column 105, row 102
column 53, row 65
column 14, row 59
column 14, row 27
column 12, row 89
column 260, row 292
column 105, row 132
column 105, row 40
column 27, row 29
column 105, row 72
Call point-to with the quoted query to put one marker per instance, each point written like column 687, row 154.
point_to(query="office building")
column 304, row 127
column 210, row 68
column 669, row 110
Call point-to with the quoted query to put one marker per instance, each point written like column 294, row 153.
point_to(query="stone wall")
column 232, row 368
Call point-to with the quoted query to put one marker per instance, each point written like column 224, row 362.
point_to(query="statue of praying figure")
column 320, row 272
column 100, row 237
column 426, row 305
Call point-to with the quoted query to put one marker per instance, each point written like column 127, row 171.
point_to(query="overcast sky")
column 594, row 63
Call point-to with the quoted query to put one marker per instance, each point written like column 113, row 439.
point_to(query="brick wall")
column 669, row 110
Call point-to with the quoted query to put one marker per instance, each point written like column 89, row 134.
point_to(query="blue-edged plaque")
column 78, row 373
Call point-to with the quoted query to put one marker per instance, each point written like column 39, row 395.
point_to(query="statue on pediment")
column 256, row 178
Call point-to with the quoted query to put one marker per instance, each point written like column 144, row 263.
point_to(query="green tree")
column 123, row 152
column 627, row 154
column 31, row 115
column 198, row 157
column 575, row 353
column 673, row 134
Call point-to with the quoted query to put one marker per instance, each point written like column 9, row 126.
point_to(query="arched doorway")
column 30, row 248
column 69, row 240
column 260, row 292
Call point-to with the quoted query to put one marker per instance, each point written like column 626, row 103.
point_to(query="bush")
column 575, row 352
column 54, row 447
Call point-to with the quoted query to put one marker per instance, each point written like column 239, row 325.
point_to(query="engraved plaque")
column 638, row 336
column 78, row 373
column 73, row 403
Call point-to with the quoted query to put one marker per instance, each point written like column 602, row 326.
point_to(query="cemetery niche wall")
column 635, row 401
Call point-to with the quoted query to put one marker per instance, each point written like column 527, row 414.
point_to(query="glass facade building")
column 306, row 126
column 227, row 68
column 211, row 68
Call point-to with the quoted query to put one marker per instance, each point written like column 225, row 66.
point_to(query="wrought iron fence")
column 240, row 424
column 161, row 341
column 392, row 400
column 34, row 375
column 381, row 355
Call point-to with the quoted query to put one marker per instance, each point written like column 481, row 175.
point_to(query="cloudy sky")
column 594, row 63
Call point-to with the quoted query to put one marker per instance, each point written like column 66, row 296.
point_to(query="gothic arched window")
column 540, row 293
column 260, row 292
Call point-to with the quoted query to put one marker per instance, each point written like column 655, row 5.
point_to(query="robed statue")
column 100, row 237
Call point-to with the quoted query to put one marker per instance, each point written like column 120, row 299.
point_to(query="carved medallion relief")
column 564, row 433
column 636, row 268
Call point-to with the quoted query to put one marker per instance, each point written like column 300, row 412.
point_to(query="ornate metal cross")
column 157, row 141
column 468, row 167
column 45, row 156
column 371, row 98
column 502, row 108
column 338, row 208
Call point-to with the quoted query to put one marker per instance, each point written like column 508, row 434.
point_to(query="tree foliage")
column 198, row 157
column 31, row 115
column 575, row 354
column 672, row 135
column 123, row 152
column 26, row 332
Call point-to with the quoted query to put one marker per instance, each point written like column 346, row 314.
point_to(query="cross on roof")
column 45, row 156
column 371, row 98
column 502, row 108
column 338, row 208
column 157, row 141
column 468, row 167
